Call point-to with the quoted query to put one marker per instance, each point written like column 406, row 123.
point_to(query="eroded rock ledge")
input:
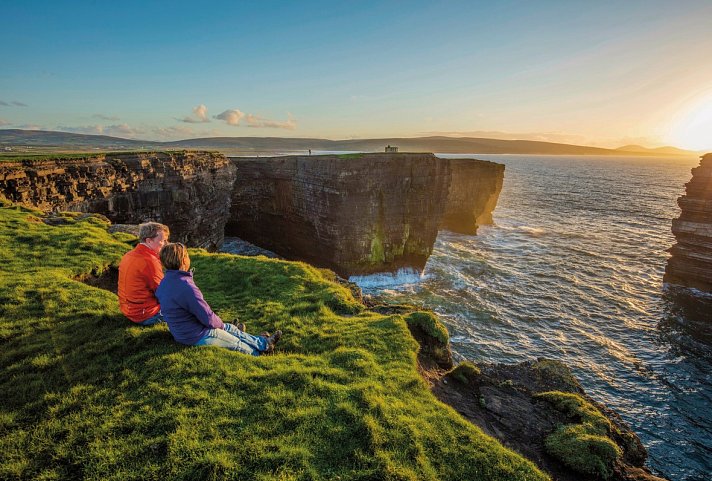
column 188, row 191
column 691, row 261
column 522, row 405
column 360, row 213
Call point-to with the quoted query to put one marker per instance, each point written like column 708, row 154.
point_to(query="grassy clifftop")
column 86, row 395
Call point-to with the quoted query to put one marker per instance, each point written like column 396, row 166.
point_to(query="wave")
column 388, row 279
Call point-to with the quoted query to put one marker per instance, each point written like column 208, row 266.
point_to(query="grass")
column 555, row 371
column 584, row 445
column 18, row 157
column 88, row 395
column 466, row 372
column 430, row 324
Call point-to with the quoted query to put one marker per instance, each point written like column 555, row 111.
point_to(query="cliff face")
column 691, row 261
column 356, row 214
column 360, row 213
column 188, row 191
column 474, row 190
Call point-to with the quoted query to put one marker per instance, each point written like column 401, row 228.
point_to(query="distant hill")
column 639, row 149
column 41, row 140
column 46, row 138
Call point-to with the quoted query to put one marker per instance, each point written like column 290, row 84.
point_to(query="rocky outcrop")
column 691, row 261
column 360, row 213
column 517, row 405
column 474, row 190
column 356, row 214
column 188, row 191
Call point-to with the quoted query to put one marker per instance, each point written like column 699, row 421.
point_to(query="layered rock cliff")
column 474, row 189
column 691, row 261
column 360, row 213
column 188, row 191
column 356, row 214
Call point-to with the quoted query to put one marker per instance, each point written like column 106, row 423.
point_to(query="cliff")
column 355, row 214
column 474, row 190
column 691, row 262
column 188, row 191
column 360, row 213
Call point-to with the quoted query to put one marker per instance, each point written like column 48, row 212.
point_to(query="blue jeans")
column 152, row 320
column 234, row 339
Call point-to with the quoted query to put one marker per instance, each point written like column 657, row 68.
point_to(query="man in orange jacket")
column 140, row 272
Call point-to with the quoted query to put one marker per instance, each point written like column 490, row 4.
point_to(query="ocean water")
column 572, row 270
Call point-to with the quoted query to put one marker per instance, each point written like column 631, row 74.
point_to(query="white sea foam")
column 384, row 279
column 532, row 231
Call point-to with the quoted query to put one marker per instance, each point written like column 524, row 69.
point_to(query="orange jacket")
column 140, row 273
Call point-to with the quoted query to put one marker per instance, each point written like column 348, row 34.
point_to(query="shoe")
column 274, row 339
column 241, row 326
column 265, row 334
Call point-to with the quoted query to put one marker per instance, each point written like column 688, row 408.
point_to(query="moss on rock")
column 429, row 324
column 584, row 444
column 465, row 372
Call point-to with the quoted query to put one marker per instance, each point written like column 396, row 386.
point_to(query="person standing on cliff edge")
column 140, row 272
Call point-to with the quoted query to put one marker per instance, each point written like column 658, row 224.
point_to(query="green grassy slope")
column 87, row 395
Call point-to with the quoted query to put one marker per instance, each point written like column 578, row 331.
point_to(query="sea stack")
column 691, row 261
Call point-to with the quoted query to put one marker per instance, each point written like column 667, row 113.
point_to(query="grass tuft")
column 584, row 445
column 466, row 372
column 429, row 323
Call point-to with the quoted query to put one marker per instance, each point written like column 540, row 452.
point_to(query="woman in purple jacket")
column 189, row 317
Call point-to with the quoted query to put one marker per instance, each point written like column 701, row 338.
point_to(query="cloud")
column 30, row 127
column 118, row 130
column 231, row 117
column 234, row 117
column 173, row 133
column 201, row 111
column 105, row 117
column 200, row 115
column 14, row 103
column 259, row 122
column 89, row 129
column 4, row 122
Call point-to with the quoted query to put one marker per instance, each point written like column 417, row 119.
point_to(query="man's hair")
column 150, row 230
column 172, row 256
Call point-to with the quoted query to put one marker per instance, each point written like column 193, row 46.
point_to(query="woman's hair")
column 172, row 256
column 149, row 230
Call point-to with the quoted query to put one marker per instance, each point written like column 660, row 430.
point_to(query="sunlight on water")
column 572, row 270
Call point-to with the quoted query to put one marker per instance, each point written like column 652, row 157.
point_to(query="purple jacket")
column 188, row 316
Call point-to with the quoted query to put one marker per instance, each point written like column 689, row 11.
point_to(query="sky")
column 604, row 73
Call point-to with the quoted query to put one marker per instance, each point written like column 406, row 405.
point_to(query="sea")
column 572, row 270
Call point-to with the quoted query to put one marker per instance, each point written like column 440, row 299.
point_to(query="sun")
column 693, row 127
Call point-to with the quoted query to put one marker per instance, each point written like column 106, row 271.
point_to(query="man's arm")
column 154, row 275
